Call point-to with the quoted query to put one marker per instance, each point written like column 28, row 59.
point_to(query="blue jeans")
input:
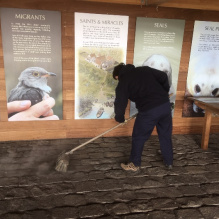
column 144, row 124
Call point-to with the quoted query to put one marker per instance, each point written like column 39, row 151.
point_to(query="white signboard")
column 158, row 44
column 203, row 72
column 100, row 45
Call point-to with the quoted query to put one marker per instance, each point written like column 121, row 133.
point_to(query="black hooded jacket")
column 145, row 86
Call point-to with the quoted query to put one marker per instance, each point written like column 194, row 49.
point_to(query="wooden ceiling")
column 187, row 4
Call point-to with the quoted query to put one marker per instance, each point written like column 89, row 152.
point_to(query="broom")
column 63, row 159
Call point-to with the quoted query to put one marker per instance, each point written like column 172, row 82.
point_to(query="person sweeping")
column 148, row 88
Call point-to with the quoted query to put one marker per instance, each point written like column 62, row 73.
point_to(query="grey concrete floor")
column 96, row 187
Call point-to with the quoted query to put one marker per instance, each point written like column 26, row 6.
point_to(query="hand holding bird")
column 25, row 112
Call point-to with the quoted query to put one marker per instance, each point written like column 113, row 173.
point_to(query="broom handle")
column 87, row 142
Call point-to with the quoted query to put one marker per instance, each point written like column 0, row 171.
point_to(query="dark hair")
column 117, row 70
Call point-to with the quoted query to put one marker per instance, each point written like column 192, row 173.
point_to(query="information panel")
column 100, row 45
column 203, row 73
column 158, row 44
column 32, row 55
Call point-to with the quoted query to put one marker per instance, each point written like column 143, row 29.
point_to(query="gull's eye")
column 36, row 74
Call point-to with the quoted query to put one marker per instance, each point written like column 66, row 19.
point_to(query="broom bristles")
column 62, row 163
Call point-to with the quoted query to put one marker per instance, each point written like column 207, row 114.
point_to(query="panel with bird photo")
column 33, row 63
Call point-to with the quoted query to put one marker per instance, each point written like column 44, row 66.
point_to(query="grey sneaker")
column 169, row 167
column 129, row 166
column 159, row 152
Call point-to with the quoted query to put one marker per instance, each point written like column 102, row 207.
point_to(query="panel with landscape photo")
column 100, row 42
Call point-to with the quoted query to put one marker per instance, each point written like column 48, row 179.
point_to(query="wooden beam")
column 211, row 5
column 127, row 2
column 130, row 2
column 155, row 2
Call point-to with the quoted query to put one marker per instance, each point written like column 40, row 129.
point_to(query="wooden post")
column 206, row 130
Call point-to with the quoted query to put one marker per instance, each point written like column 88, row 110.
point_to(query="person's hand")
column 43, row 108
column 113, row 117
column 18, row 106
column 125, row 122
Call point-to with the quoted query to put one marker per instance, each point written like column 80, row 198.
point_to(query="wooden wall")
column 71, row 128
